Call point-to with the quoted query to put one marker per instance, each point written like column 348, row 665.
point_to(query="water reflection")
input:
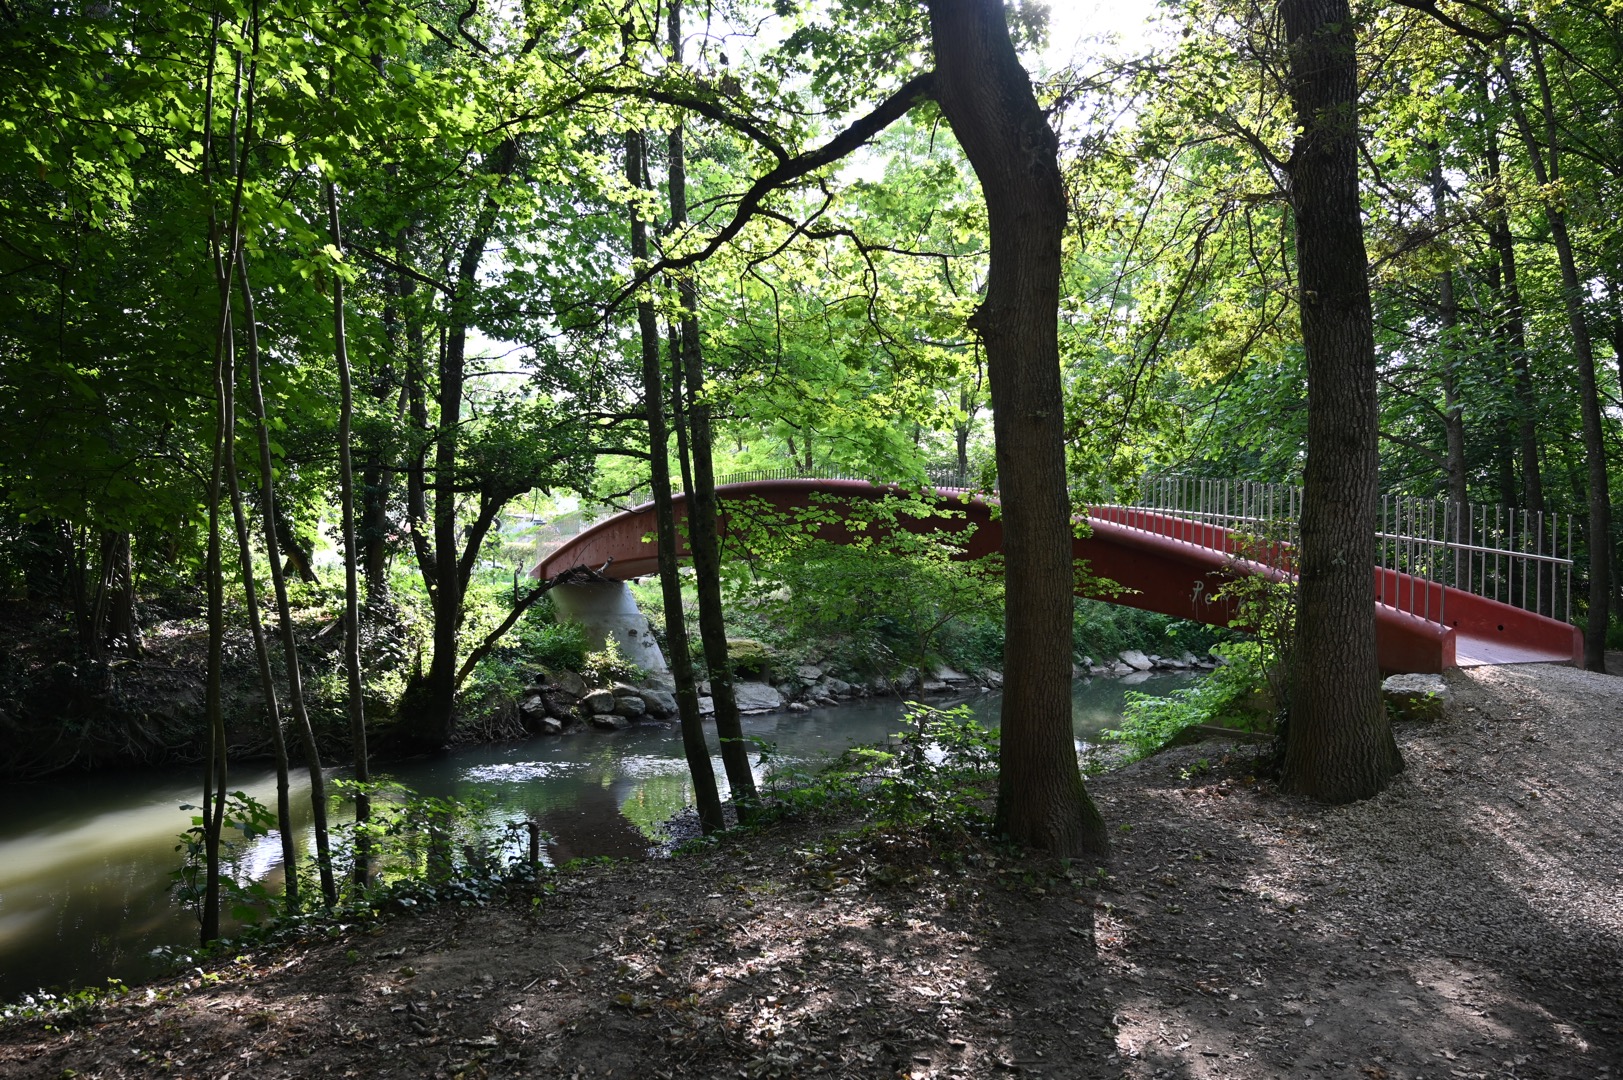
column 85, row 862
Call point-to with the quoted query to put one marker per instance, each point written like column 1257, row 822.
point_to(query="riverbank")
column 1466, row 923
column 61, row 713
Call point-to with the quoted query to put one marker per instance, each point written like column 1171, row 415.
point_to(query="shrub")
column 1235, row 695
column 555, row 645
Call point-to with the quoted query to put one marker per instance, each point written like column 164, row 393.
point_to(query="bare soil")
column 1466, row 923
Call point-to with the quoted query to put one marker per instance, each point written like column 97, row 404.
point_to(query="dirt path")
column 1467, row 923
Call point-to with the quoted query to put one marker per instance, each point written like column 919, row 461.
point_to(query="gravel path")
column 1467, row 923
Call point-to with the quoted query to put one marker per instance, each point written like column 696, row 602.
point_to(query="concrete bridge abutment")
column 608, row 611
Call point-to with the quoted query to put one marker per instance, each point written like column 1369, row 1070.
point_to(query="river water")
column 85, row 862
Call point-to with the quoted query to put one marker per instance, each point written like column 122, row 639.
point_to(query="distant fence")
column 1504, row 554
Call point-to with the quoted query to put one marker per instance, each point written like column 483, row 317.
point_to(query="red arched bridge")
column 1451, row 588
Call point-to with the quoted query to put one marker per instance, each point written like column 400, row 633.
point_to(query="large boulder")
column 1415, row 697
column 630, row 706
column 755, row 697
column 660, row 703
column 839, row 687
column 609, row 722
column 749, row 657
column 808, row 673
column 597, row 703
column 560, row 706
column 569, row 682
column 1135, row 660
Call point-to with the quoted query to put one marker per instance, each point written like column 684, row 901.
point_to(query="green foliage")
column 1248, row 691
column 246, row 820
column 423, row 847
column 63, row 1009
column 544, row 642
column 609, row 665
column 1232, row 696
column 1102, row 630
column 873, row 588
column 934, row 778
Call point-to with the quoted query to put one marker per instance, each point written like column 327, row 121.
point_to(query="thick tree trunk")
column 986, row 96
column 702, row 509
column 678, row 650
column 1338, row 742
column 1547, row 171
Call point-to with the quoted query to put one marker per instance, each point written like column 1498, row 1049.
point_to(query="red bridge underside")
column 1157, row 563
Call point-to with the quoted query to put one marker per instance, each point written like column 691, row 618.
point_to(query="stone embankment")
column 565, row 700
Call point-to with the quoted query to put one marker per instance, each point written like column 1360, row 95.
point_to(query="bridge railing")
column 1501, row 553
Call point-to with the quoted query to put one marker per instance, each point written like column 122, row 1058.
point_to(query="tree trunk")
column 256, row 626
column 1338, row 742
column 300, row 558
column 429, row 713
column 1514, row 334
column 679, row 650
column 1548, row 174
column 284, row 615
column 352, row 585
column 1448, row 315
column 214, row 764
column 986, row 96
column 118, row 571
column 701, row 501
column 224, row 240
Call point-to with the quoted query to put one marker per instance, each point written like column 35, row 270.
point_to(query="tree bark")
column 701, row 502
column 986, row 96
column 680, row 653
column 1338, row 741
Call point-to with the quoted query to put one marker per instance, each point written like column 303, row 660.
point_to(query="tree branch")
column 483, row 648
column 786, row 172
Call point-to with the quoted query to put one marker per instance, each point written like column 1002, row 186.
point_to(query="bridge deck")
column 1472, row 650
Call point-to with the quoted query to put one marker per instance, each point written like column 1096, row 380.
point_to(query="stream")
column 85, row 861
